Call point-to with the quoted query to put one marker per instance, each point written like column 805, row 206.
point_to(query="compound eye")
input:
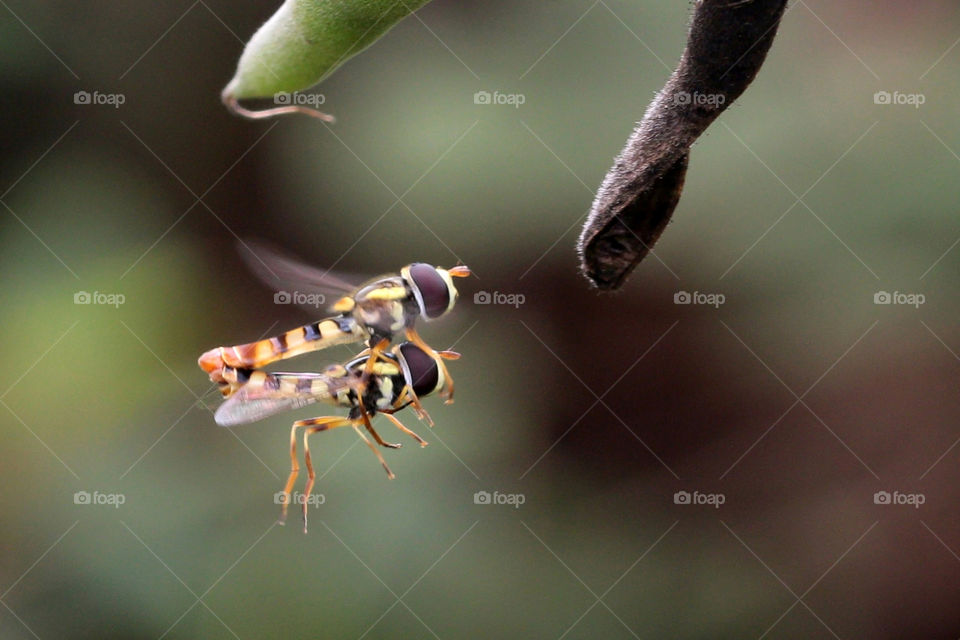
column 422, row 369
column 431, row 290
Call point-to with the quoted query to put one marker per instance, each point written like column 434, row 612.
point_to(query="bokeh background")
column 794, row 402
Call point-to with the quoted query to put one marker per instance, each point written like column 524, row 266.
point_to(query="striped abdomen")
column 311, row 337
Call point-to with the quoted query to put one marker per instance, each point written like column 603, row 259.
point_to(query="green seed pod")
column 303, row 43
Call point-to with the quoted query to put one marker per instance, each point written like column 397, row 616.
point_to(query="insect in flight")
column 375, row 313
column 399, row 376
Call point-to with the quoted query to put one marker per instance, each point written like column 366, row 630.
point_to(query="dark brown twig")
column 727, row 44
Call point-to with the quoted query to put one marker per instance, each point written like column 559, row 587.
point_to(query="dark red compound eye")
column 424, row 373
column 434, row 294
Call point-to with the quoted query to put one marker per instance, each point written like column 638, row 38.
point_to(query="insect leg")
column 294, row 472
column 315, row 424
column 377, row 453
column 294, row 464
column 374, row 355
column 400, row 426
column 376, row 436
column 422, row 414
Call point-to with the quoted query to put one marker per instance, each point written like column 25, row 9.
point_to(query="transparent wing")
column 279, row 271
column 241, row 409
column 267, row 394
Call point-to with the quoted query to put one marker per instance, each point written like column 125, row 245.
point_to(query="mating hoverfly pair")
column 380, row 380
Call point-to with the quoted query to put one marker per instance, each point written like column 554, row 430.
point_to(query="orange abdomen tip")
column 211, row 361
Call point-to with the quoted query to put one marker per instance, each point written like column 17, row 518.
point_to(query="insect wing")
column 278, row 271
column 240, row 408
column 268, row 394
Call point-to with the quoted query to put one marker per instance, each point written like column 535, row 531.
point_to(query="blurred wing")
column 279, row 271
column 267, row 394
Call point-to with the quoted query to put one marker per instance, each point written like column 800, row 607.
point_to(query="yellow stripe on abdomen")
column 311, row 337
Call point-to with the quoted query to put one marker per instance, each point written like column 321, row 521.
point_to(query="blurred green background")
column 796, row 400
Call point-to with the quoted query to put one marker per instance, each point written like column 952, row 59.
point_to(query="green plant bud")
column 303, row 43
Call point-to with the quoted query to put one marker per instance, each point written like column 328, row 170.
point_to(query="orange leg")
column 330, row 422
column 374, row 355
column 377, row 453
column 376, row 436
column 400, row 426
column 322, row 424
column 420, row 411
column 415, row 338
column 422, row 414
column 294, row 472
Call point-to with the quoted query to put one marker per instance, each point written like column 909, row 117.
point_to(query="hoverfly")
column 396, row 380
column 375, row 313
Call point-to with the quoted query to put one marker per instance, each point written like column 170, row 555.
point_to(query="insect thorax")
column 380, row 394
column 384, row 307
